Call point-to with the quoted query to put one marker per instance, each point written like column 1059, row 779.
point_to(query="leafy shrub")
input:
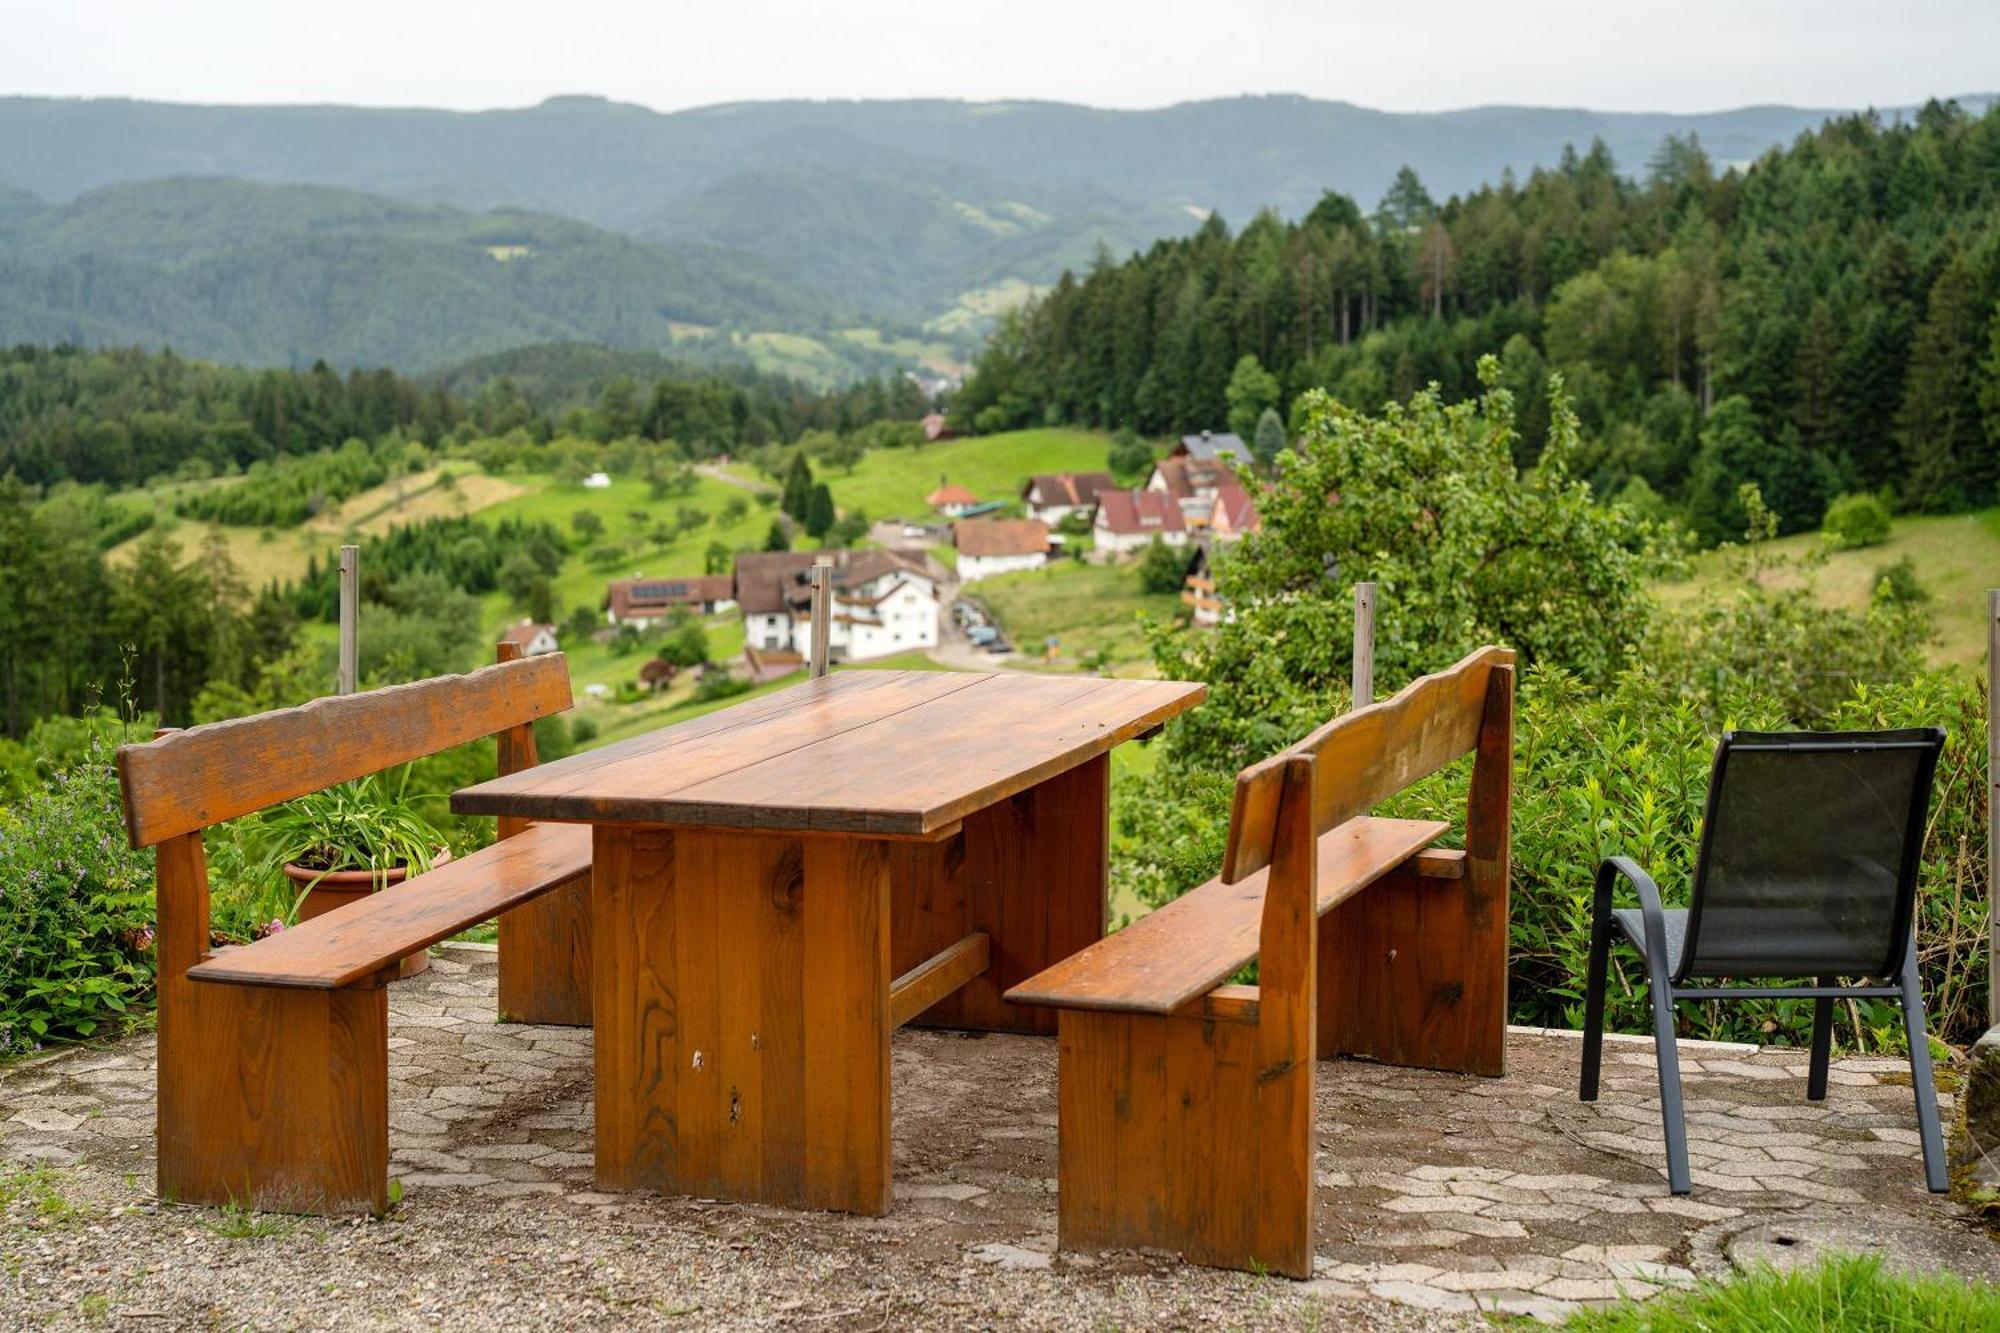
column 1897, row 583
column 1854, row 521
column 719, row 685
column 1764, row 629
column 76, row 911
column 1162, row 568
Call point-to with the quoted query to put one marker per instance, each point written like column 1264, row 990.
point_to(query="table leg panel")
column 633, row 920
column 748, row 1055
column 1032, row 872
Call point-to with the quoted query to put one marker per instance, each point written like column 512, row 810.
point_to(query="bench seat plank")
column 1198, row 941
column 352, row 944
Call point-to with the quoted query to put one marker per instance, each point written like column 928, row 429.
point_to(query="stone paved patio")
column 1441, row 1197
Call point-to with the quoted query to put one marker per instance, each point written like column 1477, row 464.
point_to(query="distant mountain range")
column 437, row 235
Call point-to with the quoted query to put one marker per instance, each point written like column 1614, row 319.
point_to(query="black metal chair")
column 1807, row 868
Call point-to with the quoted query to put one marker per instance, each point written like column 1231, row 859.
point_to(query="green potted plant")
column 344, row 843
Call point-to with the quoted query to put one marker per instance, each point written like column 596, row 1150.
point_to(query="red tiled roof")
column 1129, row 512
column 950, row 495
column 1234, row 509
column 1000, row 536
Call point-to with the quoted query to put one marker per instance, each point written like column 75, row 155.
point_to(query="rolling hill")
column 283, row 275
column 907, row 210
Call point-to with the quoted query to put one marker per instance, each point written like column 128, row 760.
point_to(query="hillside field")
column 1086, row 607
column 1957, row 558
column 892, row 483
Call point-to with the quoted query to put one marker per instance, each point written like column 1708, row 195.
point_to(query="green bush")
column 1854, row 521
column 1162, row 568
column 76, row 911
column 1843, row 1294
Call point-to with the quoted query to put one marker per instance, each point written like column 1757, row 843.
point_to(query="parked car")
column 999, row 646
column 982, row 634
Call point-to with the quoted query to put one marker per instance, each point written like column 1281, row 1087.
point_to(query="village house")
column 531, row 638
column 1053, row 497
column 1208, row 493
column 951, row 501
column 1130, row 520
column 988, row 546
column 643, row 602
column 883, row 602
column 937, row 428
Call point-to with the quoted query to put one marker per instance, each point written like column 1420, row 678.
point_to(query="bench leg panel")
column 1413, row 971
column 545, row 959
column 274, row 1099
column 1182, row 1134
column 742, row 1006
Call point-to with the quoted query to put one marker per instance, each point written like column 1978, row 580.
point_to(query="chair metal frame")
column 1666, row 988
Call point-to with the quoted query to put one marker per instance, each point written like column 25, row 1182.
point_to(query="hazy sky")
column 1397, row 54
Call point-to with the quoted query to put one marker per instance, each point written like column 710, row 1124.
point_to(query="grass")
column 1957, row 557
column 264, row 554
column 892, row 483
column 1835, row 1295
column 1089, row 608
column 631, row 516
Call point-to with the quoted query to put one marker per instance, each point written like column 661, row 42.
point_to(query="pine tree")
column 797, row 495
column 819, row 511
column 1939, row 427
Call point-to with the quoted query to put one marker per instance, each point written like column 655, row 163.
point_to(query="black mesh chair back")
column 1809, row 853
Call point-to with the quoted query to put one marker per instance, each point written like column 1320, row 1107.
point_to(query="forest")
column 125, row 417
column 1821, row 322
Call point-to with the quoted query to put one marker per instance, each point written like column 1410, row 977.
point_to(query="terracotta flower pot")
column 333, row 889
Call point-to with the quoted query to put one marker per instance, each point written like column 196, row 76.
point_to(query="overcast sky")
column 1690, row 55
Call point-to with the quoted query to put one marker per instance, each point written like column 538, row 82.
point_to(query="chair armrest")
column 1651, row 913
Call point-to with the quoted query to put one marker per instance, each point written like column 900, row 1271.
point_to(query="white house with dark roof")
column 884, row 602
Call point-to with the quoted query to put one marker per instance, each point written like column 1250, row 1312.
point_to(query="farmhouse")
column 1129, row 520
column 531, row 638
column 883, row 602
column 643, row 601
column 1053, row 497
column 937, row 428
column 1208, row 493
column 989, row 546
column 951, row 501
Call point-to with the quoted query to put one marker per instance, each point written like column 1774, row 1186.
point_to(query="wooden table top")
column 876, row 752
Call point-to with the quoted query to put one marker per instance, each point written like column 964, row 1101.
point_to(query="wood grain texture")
column 1194, row 1135
column 190, row 779
column 350, row 945
column 905, row 754
column 741, row 993
column 1033, row 872
column 276, row 1100
column 545, row 942
column 1367, row 755
column 1178, row 953
column 1414, row 971
column 936, row 977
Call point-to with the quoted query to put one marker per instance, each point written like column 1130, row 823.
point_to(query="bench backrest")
column 187, row 780
column 1362, row 758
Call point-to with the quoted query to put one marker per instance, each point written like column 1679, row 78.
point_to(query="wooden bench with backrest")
column 273, row 1057
column 1185, row 1104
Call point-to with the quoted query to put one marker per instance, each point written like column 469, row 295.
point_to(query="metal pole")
column 350, row 610
column 1992, row 802
column 822, row 616
column 1364, row 644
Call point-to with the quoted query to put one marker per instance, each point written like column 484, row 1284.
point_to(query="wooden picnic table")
column 776, row 887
